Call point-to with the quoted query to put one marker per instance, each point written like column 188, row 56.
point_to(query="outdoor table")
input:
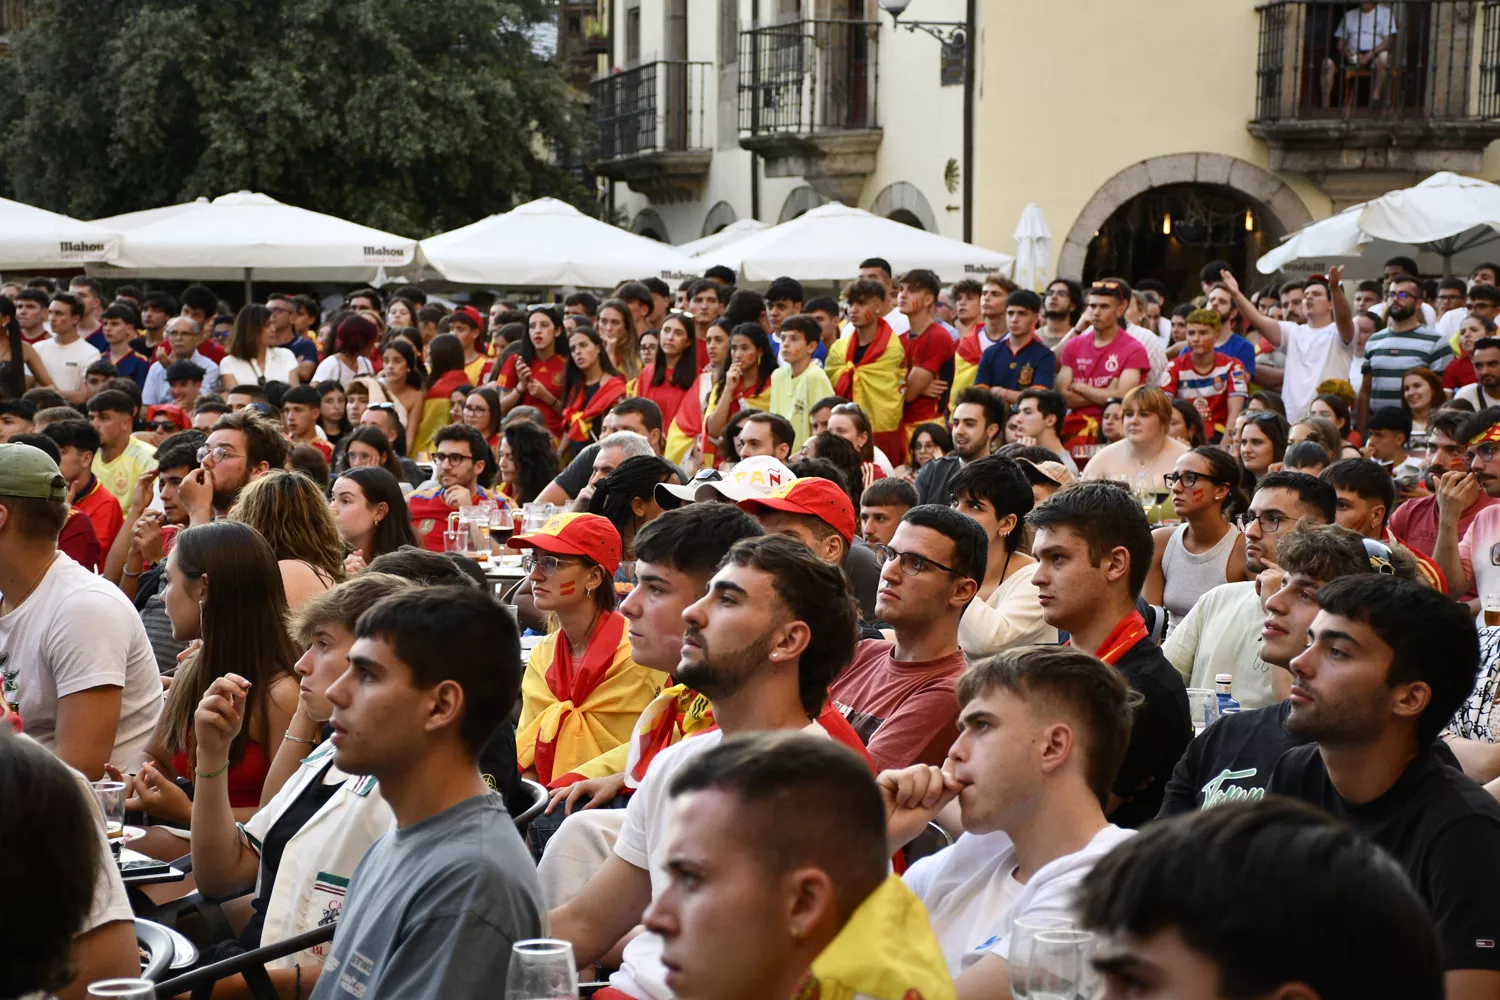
column 153, row 874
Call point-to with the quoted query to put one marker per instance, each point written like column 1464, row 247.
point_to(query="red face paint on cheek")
column 566, row 590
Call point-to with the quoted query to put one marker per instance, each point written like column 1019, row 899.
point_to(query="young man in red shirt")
column 299, row 412
column 77, row 443
column 929, row 353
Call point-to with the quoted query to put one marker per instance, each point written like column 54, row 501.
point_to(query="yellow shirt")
column 119, row 477
column 793, row 396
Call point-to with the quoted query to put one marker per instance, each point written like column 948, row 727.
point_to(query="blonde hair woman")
column 1147, row 452
column 290, row 512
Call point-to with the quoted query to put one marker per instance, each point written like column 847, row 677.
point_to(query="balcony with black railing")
column 1406, row 86
column 650, row 130
column 808, row 101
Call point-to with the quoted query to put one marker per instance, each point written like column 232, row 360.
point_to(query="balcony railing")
column 1407, row 61
column 654, row 108
column 808, row 76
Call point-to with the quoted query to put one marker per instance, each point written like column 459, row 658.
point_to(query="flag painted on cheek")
column 566, row 590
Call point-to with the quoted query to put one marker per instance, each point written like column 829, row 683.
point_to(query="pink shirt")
column 1099, row 366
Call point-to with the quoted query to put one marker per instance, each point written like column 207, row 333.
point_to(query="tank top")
column 1190, row 575
column 245, row 778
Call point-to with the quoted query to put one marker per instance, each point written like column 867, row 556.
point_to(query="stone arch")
column 1273, row 196
column 718, row 217
column 648, row 222
column 803, row 199
column 908, row 199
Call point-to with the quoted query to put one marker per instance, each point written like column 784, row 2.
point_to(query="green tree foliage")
column 414, row 116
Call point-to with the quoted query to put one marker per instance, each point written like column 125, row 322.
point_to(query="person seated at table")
column 223, row 588
column 1147, row 452
column 290, row 512
column 464, row 468
column 83, row 931
column 582, row 693
column 371, row 516
column 317, row 821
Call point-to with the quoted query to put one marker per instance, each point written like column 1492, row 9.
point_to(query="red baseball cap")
column 468, row 313
column 586, row 535
column 820, row 498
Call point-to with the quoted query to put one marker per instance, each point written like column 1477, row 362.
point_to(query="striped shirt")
column 1390, row 354
column 1209, row 393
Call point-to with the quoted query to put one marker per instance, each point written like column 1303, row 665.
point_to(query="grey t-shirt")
column 434, row 908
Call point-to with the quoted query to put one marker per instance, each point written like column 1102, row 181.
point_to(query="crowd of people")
column 863, row 636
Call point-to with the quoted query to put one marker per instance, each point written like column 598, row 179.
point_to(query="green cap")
column 30, row 472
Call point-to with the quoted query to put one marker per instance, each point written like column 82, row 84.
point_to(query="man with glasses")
column 463, row 467
column 1415, row 522
column 1404, row 344
column 183, row 337
column 1093, row 550
column 283, row 312
column 898, row 695
column 1221, row 634
column 1471, row 560
column 241, row 447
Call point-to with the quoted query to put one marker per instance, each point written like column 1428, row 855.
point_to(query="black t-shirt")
column 1441, row 827
column 1160, row 734
column 576, row 476
column 1230, row 760
column 497, row 764
column 932, row 480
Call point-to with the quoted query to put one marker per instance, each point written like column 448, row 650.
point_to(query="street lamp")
column 949, row 32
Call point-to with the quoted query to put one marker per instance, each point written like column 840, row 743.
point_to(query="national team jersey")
column 1208, row 393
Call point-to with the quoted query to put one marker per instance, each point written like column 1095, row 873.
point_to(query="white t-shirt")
column 1154, row 351
column 1477, row 551
column 66, row 363
column 643, row 842
column 281, row 364
column 110, row 902
column 973, row 898
column 75, row 632
column 1449, row 322
column 333, row 369
column 1475, row 395
column 1363, row 30
column 1313, row 355
column 1221, row 635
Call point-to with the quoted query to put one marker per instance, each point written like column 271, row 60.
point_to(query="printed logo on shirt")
column 1214, row 793
column 1112, row 363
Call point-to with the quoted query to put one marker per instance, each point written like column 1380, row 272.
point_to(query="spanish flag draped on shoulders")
column 687, row 426
column 583, row 412
column 965, row 362
column 436, row 408
column 872, row 375
column 886, row 951
column 574, row 708
column 743, row 397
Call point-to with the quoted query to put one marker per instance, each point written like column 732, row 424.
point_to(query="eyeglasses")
column 1381, row 559
column 1401, row 295
column 1485, row 453
column 910, row 561
column 165, row 426
column 547, row 564
column 476, row 409
column 1270, row 521
column 1189, row 479
column 451, row 458
column 218, row 454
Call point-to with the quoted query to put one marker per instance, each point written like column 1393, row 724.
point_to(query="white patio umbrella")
column 251, row 236
column 707, row 246
column 546, row 243
column 33, row 237
column 1446, row 221
column 828, row 242
column 1033, row 249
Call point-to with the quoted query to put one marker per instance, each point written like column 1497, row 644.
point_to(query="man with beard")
column 978, row 418
column 1387, row 665
column 1219, row 636
column 1404, row 344
column 241, row 447
column 750, row 647
column 464, row 467
column 1233, row 759
column 1060, row 311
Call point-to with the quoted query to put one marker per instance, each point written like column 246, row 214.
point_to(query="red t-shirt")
column 550, row 374
column 933, row 350
column 905, row 712
column 666, row 396
column 1099, row 366
column 79, row 541
column 1459, row 373
column 103, row 512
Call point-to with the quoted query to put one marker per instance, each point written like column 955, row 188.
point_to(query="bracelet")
column 297, row 739
column 211, row 774
column 126, row 572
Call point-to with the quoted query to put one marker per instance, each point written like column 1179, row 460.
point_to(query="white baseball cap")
column 752, row 477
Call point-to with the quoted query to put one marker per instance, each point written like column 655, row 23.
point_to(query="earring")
column 588, row 591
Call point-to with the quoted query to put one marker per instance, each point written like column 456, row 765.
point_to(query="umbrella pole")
column 248, row 287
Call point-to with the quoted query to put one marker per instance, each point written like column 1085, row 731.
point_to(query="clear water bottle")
column 1222, row 684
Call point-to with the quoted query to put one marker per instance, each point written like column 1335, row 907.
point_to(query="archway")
column 1276, row 209
column 803, row 199
column 721, row 215
column 905, row 203
column 648, row 222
